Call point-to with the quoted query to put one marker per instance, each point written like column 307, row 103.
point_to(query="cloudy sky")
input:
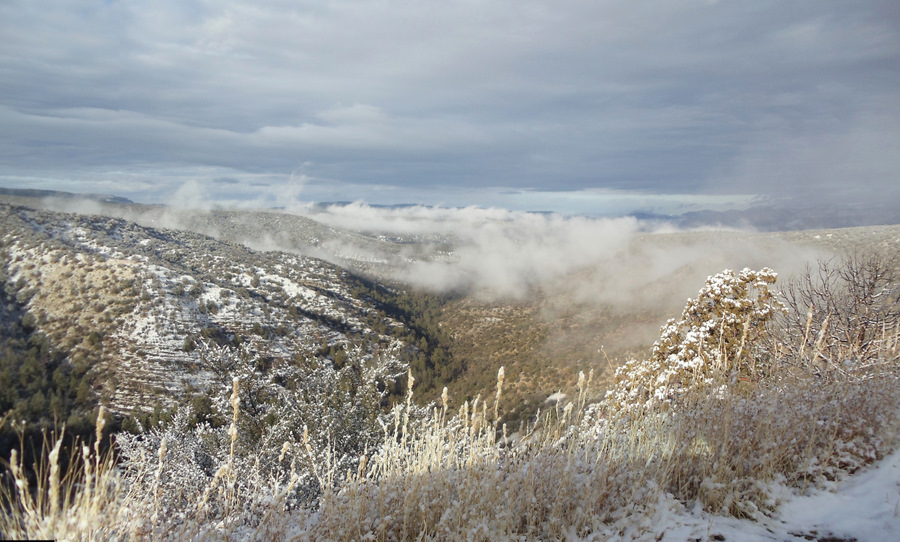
column 569, row 105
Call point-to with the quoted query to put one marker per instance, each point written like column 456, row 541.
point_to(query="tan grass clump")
column 86, row 503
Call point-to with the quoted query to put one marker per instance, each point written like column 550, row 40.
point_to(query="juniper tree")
column 714, row 341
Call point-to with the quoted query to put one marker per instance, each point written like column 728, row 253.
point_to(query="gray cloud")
column 673, row 97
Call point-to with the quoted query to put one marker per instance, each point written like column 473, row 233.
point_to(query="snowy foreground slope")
column 863, row 507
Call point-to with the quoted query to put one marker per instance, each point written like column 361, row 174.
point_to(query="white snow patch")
column 555, row 398
column 291, row 288
column 864, row 507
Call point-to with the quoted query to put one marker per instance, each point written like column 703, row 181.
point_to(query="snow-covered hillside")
column 133, row 303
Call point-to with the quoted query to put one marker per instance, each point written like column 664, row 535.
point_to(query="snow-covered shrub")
column 714, row 342
column 718, row 446
column 273, row 435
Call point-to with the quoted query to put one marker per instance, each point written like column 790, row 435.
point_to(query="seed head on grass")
column 500, row 375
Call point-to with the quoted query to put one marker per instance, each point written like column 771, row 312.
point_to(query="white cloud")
column 495, row 251
column 856, row 163
column 601, row 261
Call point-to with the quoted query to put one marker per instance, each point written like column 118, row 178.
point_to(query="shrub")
column 716, row 341
column 841, row 317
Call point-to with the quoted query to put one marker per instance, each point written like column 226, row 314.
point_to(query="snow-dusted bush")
column 714, row 342
column 723, row 447
column 280, row 435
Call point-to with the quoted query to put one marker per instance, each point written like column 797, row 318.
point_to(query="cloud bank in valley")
column 571, row 268
column 501, row 254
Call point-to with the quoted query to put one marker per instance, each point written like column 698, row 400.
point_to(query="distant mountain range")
column 782, row 217
column 31, row 193
column 769, row 217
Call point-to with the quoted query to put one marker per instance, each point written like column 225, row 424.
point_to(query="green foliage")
column 432, row 361
column 139, row 422
column 339, row 356
column 218, row 335
column 39, row 385
column 94, row 339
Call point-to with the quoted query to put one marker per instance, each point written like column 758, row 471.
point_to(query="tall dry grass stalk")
column 581, row 470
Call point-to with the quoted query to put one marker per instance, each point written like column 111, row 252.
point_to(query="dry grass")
column 459, row 476
column 585, row 472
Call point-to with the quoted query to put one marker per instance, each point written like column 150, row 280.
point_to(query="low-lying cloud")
column 501, row 254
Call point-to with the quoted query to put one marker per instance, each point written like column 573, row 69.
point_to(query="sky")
column 575, row 106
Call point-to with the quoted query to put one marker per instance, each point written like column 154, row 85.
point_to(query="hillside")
column 597, row 318
column 262, row 230
column 99, row 310
column 270, row 393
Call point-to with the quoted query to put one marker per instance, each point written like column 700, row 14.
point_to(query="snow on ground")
column 555, row 397
column 290, row 287
column 864, row 507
